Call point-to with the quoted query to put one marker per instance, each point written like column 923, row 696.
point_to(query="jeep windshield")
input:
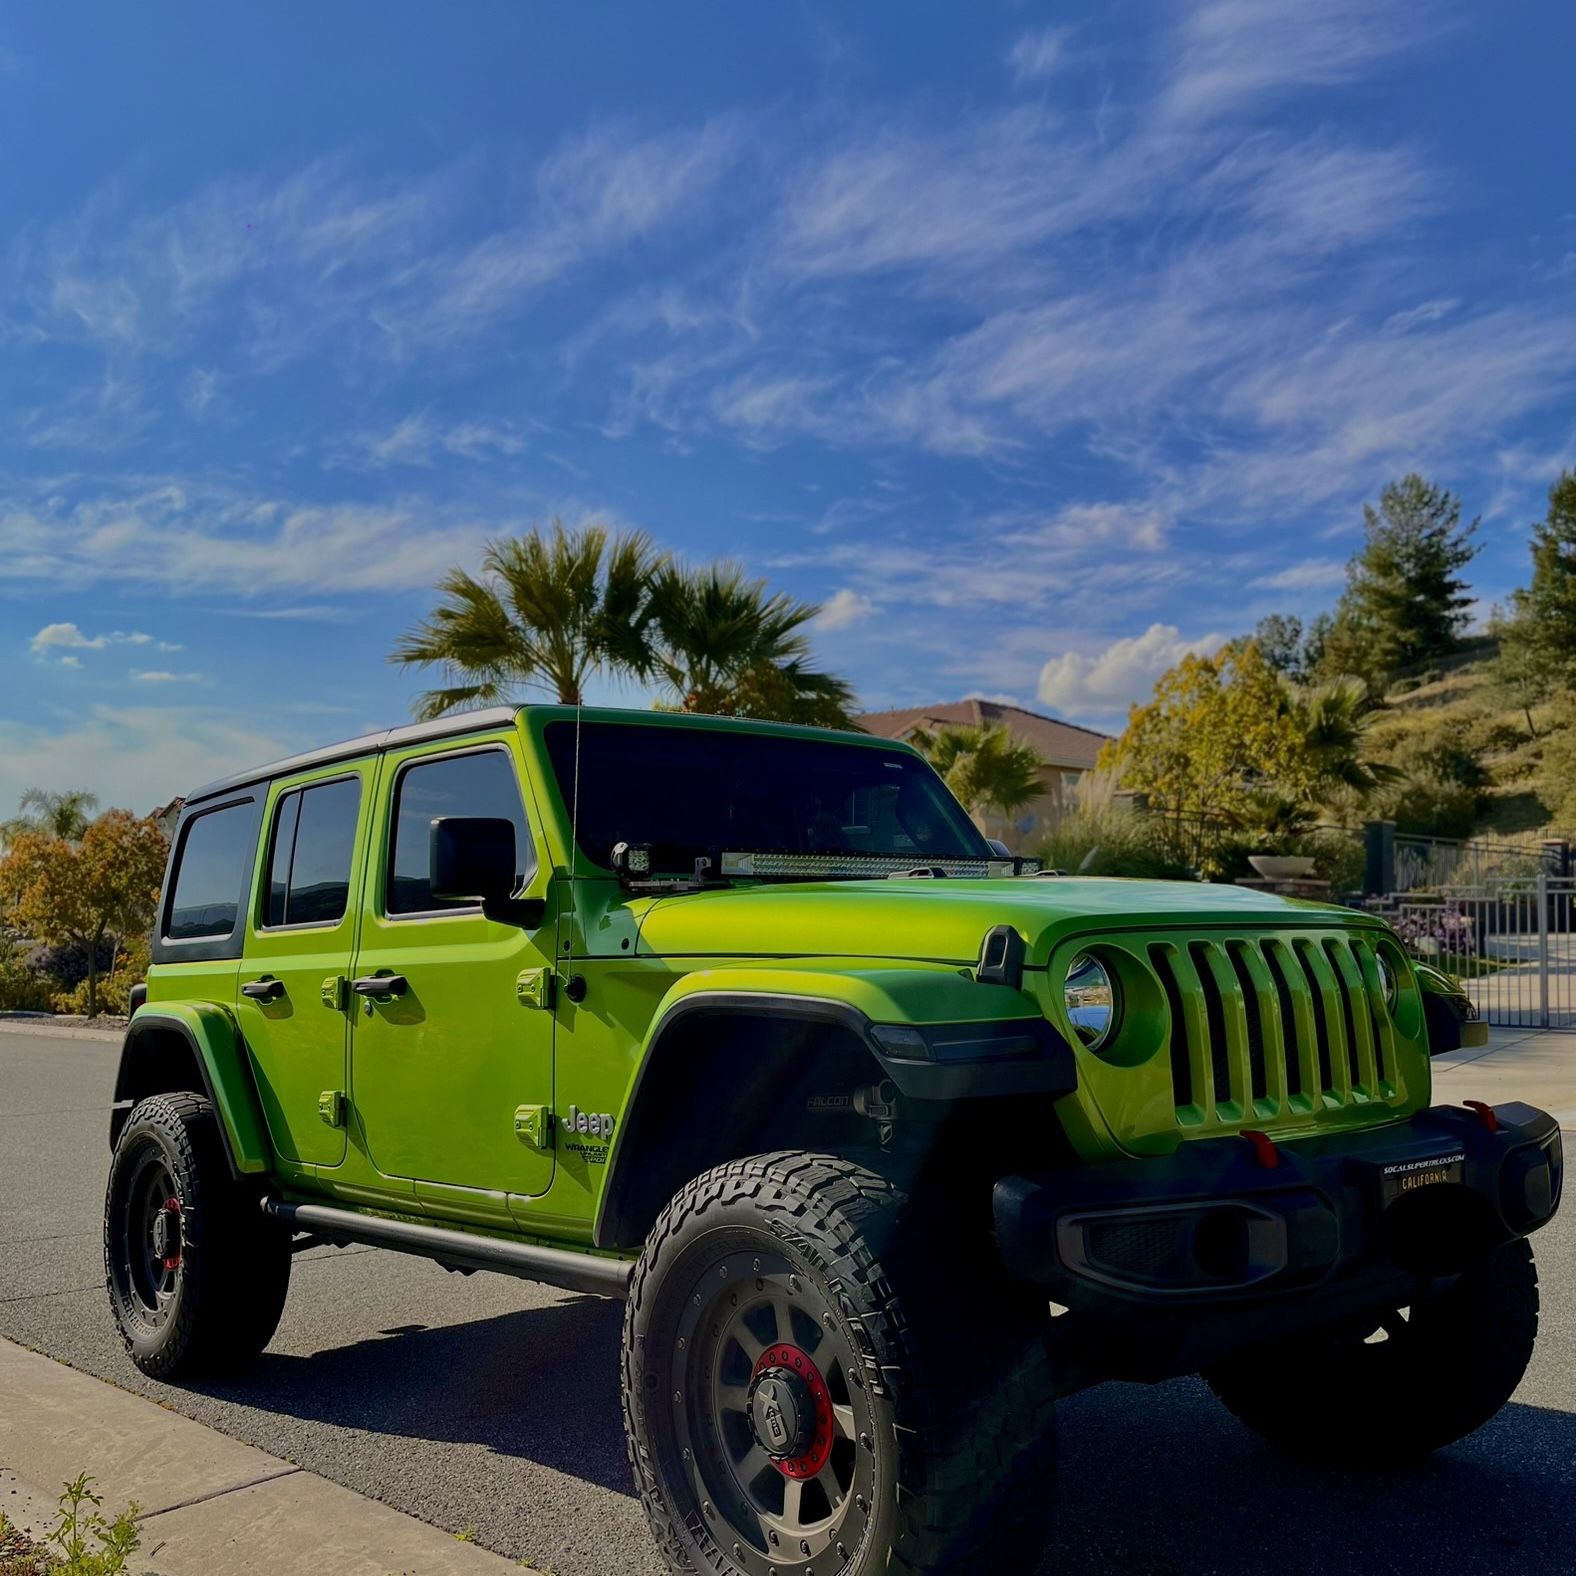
column 692, row 792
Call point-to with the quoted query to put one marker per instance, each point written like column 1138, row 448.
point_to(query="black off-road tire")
column 1439, row 1373
column 213, row 1302
column 948, row 1379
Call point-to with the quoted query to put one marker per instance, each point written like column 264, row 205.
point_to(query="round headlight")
column 1090, row 998
column 1391, row 980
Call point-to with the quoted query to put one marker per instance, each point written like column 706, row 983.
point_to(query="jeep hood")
column 945, row 920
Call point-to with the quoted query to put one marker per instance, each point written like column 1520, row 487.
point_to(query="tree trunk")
column 93, row 948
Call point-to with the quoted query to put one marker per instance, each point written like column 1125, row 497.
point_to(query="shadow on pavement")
column 540, row 1383
column 1164, row 1481
column 1156, row 1480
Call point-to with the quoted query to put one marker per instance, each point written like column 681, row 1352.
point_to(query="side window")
column 483, row 784
column 210, row 872
column 313, row 845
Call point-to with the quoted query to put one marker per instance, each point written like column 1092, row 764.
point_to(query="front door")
column 300, row 942
column 443, row 1065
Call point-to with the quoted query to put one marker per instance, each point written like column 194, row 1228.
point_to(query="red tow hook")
column 1263, row 1148
column 1485, row 1113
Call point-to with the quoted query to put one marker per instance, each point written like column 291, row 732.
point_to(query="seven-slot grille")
column 1266, row 1026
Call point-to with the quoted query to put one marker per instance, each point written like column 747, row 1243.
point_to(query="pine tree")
column 1405, row 598
column 1544, row 621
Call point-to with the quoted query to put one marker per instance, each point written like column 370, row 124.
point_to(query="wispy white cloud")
column 1310, row 574
column 1040, row 54
column 1232, row 53
column 190, row 537
column 68, row 637
column 134, row 756
column 843, row 609
column 419, row 440
column 164, row 676
column 1097, row 684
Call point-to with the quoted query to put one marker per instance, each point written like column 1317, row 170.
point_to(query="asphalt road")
column 488, row 1404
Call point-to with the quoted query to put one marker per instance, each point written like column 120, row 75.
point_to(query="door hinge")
column 534, row 988
column 533, row 1125
column 331, row 1107
column 333, row 992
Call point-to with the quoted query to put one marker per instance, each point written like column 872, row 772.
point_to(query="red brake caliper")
column 172, row 1212
column 820, row 1451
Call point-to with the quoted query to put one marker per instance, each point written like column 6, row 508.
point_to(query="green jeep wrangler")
column 887, row 1137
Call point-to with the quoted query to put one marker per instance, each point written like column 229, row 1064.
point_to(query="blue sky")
column 1039, row 343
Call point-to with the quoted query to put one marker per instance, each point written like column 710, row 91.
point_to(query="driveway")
column 490, row 1404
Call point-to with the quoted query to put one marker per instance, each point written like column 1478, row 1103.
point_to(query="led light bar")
column 875, row 867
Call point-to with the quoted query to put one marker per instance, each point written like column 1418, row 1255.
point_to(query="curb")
column 210, row 1505
column 45, row 1028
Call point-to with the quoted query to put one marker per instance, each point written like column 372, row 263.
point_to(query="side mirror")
column 471, row 858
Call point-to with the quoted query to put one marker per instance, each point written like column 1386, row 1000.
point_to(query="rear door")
column 446, row 1070
column 300, row 942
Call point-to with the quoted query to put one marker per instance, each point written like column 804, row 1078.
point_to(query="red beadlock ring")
column 820, row 1451
column 172, row 1206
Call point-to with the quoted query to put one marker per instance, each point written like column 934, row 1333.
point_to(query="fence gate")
column 1510, row 940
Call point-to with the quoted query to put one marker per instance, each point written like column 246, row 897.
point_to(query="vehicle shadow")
column 541, row 1384
column 1154, row 1480
column 1164, row 1480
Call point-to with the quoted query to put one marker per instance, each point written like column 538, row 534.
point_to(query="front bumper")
column 1237, row 1222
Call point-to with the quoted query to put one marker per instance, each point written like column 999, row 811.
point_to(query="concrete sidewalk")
column 211, row 1506
column 1534, row 1065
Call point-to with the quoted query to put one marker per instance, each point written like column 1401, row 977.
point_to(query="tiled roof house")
column 1067, row 750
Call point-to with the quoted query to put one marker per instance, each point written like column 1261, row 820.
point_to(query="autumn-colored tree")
column 1218, row 729
column 104, row 887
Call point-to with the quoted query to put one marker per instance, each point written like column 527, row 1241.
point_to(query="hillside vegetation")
column 1499, row 769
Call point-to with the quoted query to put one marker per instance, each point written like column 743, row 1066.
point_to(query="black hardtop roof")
column 493, row 717
column 367, row 744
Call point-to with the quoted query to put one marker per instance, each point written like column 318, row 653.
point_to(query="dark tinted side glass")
column 480, row 784
column 280, row 856
column 314, row 844
column 211, row 872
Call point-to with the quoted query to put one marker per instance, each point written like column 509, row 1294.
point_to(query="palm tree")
column 728, row 648
column 986, row 767
column 548, row 610
column 63, row 813
column 1336, row 718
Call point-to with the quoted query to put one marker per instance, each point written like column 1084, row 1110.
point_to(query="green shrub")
column 82, row 1542
column 1105, row 836
column 114, row 987
column 23, row 990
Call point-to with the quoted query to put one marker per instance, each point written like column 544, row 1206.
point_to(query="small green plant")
column 84, row 1540
column 467, row 1535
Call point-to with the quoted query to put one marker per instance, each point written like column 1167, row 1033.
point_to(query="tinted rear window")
column 689, row 791
column 480, row 784
column 314, row 844
column 211, row 872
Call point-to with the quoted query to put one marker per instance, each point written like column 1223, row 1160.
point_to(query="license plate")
column 1401, row 1177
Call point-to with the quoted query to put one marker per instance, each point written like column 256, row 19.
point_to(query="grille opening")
column 1181, row 1066
column 1353, row 1060
column 1379, row 1017
column 1215, row 1017
column 1320, row 1027
column 1253, row 1005
column 1272, row 961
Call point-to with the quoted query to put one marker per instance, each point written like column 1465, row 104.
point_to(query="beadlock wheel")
column 769, row 1407
column 794, row 1397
